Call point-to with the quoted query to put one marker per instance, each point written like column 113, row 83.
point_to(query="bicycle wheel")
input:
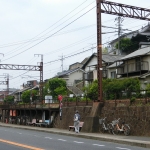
column 110, row 128
column 102, row 128
column 126, row 129
column 115, row 130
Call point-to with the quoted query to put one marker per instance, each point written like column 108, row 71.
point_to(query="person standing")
column 60, row 110
column 77, row 121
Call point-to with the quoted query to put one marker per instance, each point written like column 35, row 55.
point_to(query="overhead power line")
column 52, row 34
column 20, row 47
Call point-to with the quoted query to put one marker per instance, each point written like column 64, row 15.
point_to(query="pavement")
column 129, row 140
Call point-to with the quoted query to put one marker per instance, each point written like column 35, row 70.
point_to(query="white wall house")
column 71, row 76
column 136, row 64
column 90, row 67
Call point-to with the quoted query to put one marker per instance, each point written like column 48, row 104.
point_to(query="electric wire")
column 50, row 35
column 49, row 31
column 55, row 22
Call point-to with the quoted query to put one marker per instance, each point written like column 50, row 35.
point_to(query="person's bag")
column 76, row 118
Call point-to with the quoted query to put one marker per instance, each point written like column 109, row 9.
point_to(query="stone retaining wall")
column 138, row 117
column 68, row 115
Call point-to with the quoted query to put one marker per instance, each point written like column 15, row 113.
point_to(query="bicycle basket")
column 101, row 121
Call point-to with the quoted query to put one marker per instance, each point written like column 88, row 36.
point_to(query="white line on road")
column 48, row 138
column 78, row 142
column 20, row 133
column 123, row 148
column 61, row 140
column 36, row 135
column 98, row 145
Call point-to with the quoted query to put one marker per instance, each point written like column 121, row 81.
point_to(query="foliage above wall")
column 113, row 88
column 9, row 99
column 55, row 87
column 26, row 95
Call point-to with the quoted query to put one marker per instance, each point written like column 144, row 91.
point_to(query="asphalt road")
column 21, row 139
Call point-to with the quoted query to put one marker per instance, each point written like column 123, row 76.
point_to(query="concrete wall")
column 68, row 115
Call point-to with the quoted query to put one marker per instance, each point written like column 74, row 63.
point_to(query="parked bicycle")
column 117, row 127
column 104, row 127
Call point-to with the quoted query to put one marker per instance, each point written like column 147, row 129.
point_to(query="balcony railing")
column 133, row 67
column 90, row 75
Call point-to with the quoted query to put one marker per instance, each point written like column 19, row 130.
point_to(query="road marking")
column 98, row 145
column 36, row 135
column 123, row 148
column 20, row 133
column 20, row 145
column 61, row 140
column 48, row 138
column 78, row 142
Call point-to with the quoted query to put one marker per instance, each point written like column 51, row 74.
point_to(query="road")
column 21, row 139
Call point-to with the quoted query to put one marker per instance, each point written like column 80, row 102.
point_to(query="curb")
column 144, row 144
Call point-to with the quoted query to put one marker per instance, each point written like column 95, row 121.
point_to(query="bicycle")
column 103, row 126
column 115, row 128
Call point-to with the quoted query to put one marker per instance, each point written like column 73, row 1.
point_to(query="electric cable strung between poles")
column 52, row 30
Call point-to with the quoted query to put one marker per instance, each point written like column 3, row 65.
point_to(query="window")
column 113, row 74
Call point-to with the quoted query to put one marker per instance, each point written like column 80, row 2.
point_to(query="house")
column 5, row 92
column 141, row 37
column 136, row 64
column 74, row 77
column 90, row 67
column 111, row 47
column 30, row 85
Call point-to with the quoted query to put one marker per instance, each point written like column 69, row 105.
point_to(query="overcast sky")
column 51, row 28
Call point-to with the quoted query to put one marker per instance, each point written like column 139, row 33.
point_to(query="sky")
column 55, row 29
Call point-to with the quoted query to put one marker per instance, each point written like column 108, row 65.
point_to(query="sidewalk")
column 129, row 140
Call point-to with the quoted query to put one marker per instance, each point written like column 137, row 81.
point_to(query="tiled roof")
column 114, row 64
column 140, row 52
column 67, row 72
column 108, row 58
column 111, row 58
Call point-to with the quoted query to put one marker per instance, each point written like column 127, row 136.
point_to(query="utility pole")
column 92, row 48
column 99, row 50
column 41, row 77
column 7, row 78
column 119, row 24
column 62, row 63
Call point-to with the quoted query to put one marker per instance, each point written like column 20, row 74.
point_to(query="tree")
column 55, row 87
column 113, row 88
column 127, row 45
column 92, row 90
column 9, row 99
column 26, row 95
column 104, row 50
column 147, row 89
